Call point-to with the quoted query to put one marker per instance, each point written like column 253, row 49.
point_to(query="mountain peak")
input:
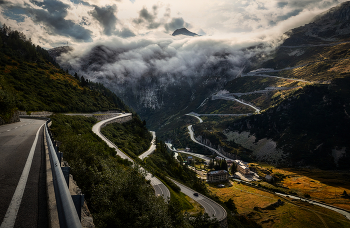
column 183, row 31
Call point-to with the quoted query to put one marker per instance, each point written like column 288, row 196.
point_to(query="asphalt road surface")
column 22, row 175
column 213, row 209
column 159, row 188
column 151, row 149
column 212, row 149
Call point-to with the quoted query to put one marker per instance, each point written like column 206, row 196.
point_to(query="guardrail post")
column 65, row 171
column 59, row 156
column 68, row 216
column 78, row 201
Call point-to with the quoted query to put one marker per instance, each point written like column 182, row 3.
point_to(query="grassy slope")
column 254, row 204
column 31, row 79
column 131, row 137
column 117, row 194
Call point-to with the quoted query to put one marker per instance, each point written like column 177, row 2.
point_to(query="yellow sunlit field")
column 256, row 204
column 326, row 186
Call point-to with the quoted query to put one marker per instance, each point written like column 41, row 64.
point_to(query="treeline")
column 15, row 44
column 117, row 194
column 30, row 80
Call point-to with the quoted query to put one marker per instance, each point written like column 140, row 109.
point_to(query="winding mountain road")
column 201, row 156
column 230, row 98
column 151, row 149
column 159, row 188
column 213, row 209
column 345, row 213
column 198, row 115
column 195, row 115
column 190, row 130
column 270, row 76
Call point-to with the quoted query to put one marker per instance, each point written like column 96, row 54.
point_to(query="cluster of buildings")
column 223, row 175
column 243, row 167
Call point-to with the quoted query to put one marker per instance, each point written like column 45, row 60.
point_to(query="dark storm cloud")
column 148, row 18
column 281, row 4
column 3, row 2
column 310, row 3
column 56, row 24
column 125, row 33
column 288, row 15
column 106, row 17
column 175, row 23
column 51, row 15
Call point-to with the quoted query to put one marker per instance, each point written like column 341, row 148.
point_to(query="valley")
column 179, row 128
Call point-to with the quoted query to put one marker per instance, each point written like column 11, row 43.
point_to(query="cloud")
column 125, row 33
column 106, row 17
column 176, row 23
column 83, row 21
column 148, row 18
column 55, row 24
column 125, row 64
column 50, row 14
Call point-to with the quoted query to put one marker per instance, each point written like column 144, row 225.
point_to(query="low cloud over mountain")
column 53, row 23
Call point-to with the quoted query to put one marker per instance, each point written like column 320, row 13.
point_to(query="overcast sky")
column 52, row 23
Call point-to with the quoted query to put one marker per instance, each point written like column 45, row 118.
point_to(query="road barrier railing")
column 68, row 206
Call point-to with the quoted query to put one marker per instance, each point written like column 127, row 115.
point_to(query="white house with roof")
column 217, row 176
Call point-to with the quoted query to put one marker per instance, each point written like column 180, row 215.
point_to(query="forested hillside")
column 30, row 80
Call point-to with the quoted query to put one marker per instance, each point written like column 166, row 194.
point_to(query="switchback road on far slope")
column 151, row 149
column 230, row 98
column 22, row 175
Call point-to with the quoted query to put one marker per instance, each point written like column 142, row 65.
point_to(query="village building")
column 229, row 162
column 217, row 176
column 189, row 160
column 242, row 167
column 218, row 158
column 269, row 178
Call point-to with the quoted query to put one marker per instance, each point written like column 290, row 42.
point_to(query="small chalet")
column 242, row 167
column 217, row 176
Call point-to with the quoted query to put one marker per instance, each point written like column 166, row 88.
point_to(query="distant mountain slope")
column 307, row 125
column 330, row 26
column 31, row 80
column 310, row 126
column 55, row 52
column 183, row 31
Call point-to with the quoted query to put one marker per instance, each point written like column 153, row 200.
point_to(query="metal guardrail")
column 67, row 212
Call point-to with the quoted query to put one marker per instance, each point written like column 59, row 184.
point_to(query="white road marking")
column 11, row 213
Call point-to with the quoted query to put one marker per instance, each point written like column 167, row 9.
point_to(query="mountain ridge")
column 183, row 31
